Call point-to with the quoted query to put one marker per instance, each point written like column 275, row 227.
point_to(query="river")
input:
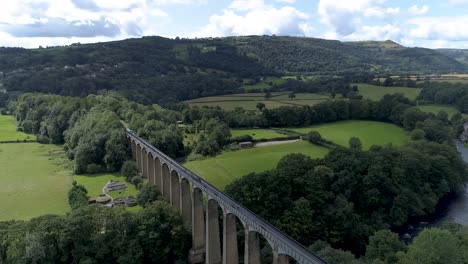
column 450, row 209
column 457, row 209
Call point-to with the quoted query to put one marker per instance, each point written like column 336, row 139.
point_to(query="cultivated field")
column 33, row 181
column 224, row 168
column 256, row 133
column 369, row 132
column 437, row 108
column 249, row 101
column 8, row 130
column 265, row 84
column 376, row 93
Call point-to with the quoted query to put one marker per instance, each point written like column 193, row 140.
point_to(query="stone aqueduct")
column 198, row 203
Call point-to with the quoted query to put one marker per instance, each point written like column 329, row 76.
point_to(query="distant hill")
column 151, row 69
column 460, row 55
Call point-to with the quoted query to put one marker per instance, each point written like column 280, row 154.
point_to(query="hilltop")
column 151, row 69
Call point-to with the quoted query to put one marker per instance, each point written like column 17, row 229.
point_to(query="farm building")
column 246, row 144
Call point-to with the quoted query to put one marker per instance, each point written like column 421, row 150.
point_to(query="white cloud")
column 415, row 10
column 286, row 1
column 254, row 17
column 51, row 22
column 458, row 2
column 344, row 16
column 384, row 32
column 439, row 28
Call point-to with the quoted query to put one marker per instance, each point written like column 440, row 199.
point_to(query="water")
column 453, row 208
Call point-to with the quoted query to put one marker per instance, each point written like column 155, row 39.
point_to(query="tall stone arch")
column 175, row 190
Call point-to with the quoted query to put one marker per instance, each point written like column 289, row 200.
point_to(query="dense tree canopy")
column 98, row 235
column 350, row 193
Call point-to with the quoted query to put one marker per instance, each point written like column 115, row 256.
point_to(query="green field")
column 264, row 84
column 33, row 181
column 376, row 93
column 256, row 133
column 435, row 109
column 8, row 130
column 224, row 168
column 369, row 132
column 95, row 183
column 249, row 101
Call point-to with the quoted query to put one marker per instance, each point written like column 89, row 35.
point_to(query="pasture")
column 369, row 132
column 8, row 130
column 33, row 181
column 256, row 133
column 375, row 93
column 435, row 109
column 224, row 168
column 249, row 101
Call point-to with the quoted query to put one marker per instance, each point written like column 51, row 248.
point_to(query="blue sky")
column 432, row 24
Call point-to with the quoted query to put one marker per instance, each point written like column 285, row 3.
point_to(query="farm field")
column 256, row 133
column 265, row 84
column 8, row 130
column 437, row 108
column 33, row 181
column 224, row 168
column 374, row 92
column 369, row 132
column 95, row 183
column 249, row 101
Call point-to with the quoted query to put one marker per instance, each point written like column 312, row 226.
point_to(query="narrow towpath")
column 279, row 142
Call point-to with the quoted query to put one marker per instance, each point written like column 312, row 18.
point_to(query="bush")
column 242, row 139
column 3, row 111
column 417, row 134
column 136, row 180
column 147, row 195
column 129, row 169
column 94, row 169
column 77, row 196
column 314, row 137
column 42, row 139
column 20, row 129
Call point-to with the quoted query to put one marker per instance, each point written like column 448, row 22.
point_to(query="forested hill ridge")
column 150, row 69
column 461, row 55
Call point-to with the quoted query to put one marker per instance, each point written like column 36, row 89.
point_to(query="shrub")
column 417, row 134
column 136, row 180
column 129, row 169
column 94, row 168
column 20, row 129
column 314, row 137
column 77, row 196
column 148, row 194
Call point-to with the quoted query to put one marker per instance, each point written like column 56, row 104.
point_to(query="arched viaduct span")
column 198, row 202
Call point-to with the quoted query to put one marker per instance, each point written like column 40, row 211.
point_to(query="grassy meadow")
column 95, row 183
column 369, row 132
column 8, row 130
column 249, row 101
column 224, row 168
column 374, row 92
column 33, row 181
column 437, row 108
column 256, row 133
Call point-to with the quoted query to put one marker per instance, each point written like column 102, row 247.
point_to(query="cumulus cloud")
column 254, row 17
column 415, row 10
column 439, row 28
column 58, row 27
column 344, row 16
column 48, row 19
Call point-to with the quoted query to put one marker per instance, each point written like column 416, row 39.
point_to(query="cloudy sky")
column 433, row 24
